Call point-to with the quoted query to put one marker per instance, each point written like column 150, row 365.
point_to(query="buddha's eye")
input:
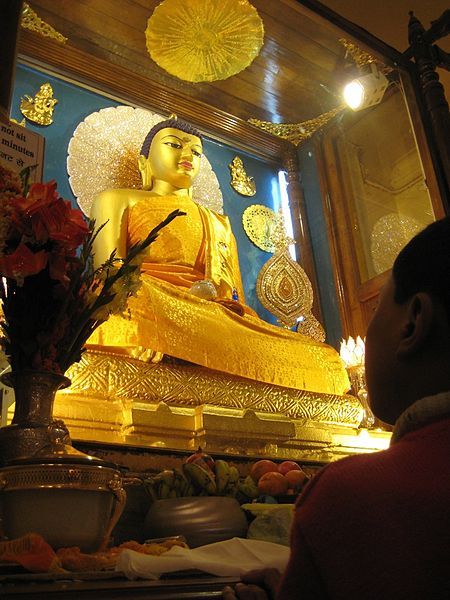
column 196, row 152
column 174, row 145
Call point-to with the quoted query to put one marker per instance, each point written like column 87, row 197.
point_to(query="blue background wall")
column 320, row 246
column 76, row 103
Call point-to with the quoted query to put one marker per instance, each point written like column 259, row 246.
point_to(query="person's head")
column 170, row 156
column 408, row 338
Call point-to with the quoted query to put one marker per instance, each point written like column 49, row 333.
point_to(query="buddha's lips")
column 185, row 164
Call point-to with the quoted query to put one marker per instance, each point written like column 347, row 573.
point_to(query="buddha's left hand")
column 255, row 585
column 232, row 305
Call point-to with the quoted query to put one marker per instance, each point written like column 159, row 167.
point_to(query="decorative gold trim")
column 22, row 123
column 61, row 476
column 297, row 133
column 362, row 58
column 120, row 379
column 31, row 21
column 240, row 181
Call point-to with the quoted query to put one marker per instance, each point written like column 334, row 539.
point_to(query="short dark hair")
column 424, row 265
column 171, row 123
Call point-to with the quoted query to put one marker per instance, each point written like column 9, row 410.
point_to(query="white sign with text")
column 21, row 148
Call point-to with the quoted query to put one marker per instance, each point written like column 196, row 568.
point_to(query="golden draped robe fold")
column 166, row 318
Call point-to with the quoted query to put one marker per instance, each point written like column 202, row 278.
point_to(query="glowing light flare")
column 352, row 352
column 367, row 90
column 354, row 94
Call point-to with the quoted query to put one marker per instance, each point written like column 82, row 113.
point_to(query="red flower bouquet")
column 52, row 297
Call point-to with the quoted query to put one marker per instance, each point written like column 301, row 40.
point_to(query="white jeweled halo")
column 104, row 150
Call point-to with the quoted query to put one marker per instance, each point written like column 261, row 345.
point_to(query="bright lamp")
column 366, row 90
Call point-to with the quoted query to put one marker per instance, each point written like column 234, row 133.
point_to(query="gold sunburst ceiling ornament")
column 204, row 40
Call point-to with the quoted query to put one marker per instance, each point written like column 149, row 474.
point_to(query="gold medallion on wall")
column 259, row 224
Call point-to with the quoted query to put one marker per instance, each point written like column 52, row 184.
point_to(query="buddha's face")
column 174, row 158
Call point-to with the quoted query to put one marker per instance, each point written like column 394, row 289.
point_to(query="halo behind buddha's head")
column 104, row 150
column 171, row 123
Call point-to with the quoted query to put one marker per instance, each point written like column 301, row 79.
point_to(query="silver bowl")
column 200, row 519
column 68, row 504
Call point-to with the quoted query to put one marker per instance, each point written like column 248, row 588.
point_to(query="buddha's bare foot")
column 147, row 355
column 173, row 360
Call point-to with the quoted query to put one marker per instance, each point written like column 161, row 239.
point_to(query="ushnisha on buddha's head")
column 170, row 157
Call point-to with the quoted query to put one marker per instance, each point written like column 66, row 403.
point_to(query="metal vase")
column 32, row 427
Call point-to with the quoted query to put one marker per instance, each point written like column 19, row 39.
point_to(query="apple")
column 296, row 479
column 288, row 465
column 260, row 467
column 203, row 456
column 273, row 483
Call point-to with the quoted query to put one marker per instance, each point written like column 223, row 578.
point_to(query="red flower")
column 39, row 196
column 65, row 225
column 57, row 265
column 22, row 262
column 44, row 216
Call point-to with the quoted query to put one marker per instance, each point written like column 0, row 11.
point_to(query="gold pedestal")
column 117, row 399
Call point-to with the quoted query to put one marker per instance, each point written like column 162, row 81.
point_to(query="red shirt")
column 376, row 526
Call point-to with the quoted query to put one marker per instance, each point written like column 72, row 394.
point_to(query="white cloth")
column 228, row 558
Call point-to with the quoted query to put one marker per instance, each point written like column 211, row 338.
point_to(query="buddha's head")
column 170, row 157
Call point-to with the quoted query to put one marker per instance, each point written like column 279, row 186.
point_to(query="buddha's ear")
column 417, row 324
column 146, row 173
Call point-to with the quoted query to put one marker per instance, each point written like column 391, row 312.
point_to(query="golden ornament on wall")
column 259, row 224
column 296, row 133
column 284, row 289
column 22, row 123
column 240, row 181
column 40, row 108
column 31, row 21
column 204, row 40
column 362, row 58
column 103, row 153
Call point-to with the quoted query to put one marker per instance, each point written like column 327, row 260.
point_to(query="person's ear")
column 417, row 324
column 145, row 171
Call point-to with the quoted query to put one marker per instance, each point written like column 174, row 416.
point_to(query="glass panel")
column 387, row 196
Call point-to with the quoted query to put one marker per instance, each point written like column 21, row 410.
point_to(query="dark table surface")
column 111, row 586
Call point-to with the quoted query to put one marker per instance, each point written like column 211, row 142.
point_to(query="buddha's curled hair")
column 172, row 123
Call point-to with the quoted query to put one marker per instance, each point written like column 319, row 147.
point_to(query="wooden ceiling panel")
column 294, row 78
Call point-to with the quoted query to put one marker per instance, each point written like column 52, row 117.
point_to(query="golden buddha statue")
column 191, row 304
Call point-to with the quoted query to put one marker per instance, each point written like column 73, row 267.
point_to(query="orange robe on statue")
column 166, row 318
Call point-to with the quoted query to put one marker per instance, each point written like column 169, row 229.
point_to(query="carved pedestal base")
column 117, row 399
